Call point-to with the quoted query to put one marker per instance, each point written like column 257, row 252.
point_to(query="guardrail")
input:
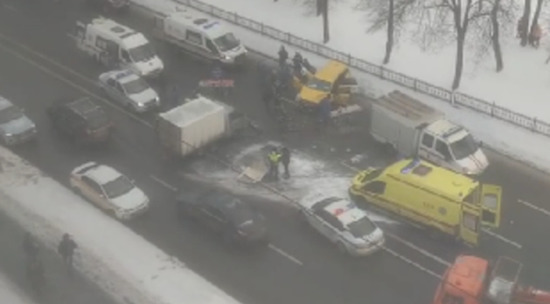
column 453, row 97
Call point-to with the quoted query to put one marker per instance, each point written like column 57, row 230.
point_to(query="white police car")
column 343, row 223
column 130, row 90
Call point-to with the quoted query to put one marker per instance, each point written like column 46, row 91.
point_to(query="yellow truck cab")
column 435, row 198
column 333, row 78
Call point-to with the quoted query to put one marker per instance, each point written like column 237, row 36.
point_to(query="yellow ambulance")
column 443, row 201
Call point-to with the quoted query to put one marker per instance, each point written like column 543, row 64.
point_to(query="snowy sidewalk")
column 60, row 288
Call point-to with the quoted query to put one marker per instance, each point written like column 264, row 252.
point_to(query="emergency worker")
column 274, row 158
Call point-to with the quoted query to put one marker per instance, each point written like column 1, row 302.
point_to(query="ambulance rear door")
column 470, row 222
column 490, row 202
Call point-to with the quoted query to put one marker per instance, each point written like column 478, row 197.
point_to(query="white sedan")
column 109, row 190
column 130, row 90
column 343, row 223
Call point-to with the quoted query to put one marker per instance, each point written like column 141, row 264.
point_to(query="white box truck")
column 197, row 123
column 414, row 129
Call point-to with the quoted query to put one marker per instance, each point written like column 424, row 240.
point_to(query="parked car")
column 226, row 215
column 130, row 90
column 15, row 126
column 343, row 223
column 109, row 190
column 81, row 121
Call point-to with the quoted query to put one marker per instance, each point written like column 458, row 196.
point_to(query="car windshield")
column 226, row 42
column 319, row 85
column 239, row 212
column 362, row 227
column 97, row 119
column 464, row 147
column 135, row 86
column 10, row 113
column 143, row 52
column 118, row 187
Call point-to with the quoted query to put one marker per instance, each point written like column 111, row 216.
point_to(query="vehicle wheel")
column 341, row 247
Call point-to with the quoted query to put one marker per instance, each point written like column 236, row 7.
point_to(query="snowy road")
column 272, row 277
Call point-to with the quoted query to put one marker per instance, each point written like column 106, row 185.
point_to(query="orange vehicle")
column 472, row 280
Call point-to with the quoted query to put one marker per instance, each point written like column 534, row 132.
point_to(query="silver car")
column 130, row 90
column 15, row 126
column 343, row 223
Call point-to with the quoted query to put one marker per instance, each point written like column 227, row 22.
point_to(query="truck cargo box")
column 191, row 126
column 398, row 119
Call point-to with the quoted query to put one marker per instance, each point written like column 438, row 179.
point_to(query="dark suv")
column 225, row 215
column 81, row 121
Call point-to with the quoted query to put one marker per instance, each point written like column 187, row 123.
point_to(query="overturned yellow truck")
column 442, row 201
column 333, row 78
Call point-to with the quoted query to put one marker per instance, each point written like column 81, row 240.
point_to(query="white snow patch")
column 124, row 264
column 11, row 294
column 308, row 175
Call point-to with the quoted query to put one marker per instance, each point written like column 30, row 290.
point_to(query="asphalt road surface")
column 39, row 63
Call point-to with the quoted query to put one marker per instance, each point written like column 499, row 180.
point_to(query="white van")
column 200, row 36
column 117, row 46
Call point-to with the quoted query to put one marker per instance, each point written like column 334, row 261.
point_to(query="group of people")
column 300, row 65
column 533, row 36
column 35, row 272
column 278, row 156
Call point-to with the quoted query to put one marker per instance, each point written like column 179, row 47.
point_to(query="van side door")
column 469, row 225
column 490, row 202
column 442, row 155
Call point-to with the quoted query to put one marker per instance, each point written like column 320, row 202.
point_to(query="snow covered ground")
column 308, row 175
column 124, row 265
column 523, row 85
column 11, row 294
column 498, row 135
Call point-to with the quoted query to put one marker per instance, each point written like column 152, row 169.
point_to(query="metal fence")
column 476, row 104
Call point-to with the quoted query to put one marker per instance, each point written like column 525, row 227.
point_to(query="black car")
column 81, row 121
column 226, row 215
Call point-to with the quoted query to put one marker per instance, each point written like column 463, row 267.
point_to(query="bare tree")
column 534, row 32
column 523, row 23
column 390, row 14
column 461, row 13
column 484, row 34
column 495, row 36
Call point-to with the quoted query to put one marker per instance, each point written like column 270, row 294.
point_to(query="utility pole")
column 324, row 6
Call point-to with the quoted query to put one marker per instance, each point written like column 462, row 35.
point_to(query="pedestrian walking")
column 66, row 249
column 283, row 56
column 274, row 159
column 285, row 160
column 534, row 37
column 30, row 247
column 298, row 63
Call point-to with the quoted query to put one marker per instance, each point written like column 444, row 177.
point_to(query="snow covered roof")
column 191, row 111
column 102, row 174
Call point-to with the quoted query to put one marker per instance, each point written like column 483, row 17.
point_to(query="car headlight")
column 8, row 135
